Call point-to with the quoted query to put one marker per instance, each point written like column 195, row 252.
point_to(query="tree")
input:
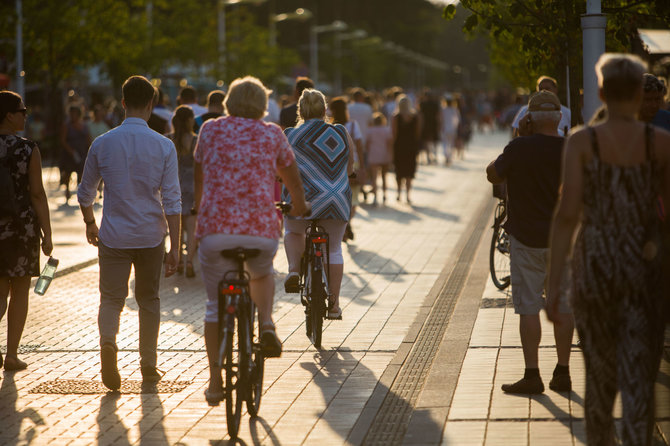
column 532, row 37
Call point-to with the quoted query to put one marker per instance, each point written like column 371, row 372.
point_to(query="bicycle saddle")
column 240, row 252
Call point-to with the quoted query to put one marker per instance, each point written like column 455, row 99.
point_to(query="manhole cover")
column 86, row 387
column 23, row 348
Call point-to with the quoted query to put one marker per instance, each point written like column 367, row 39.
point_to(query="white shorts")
column 334, row 228
column 213, row 265
column 529, row 279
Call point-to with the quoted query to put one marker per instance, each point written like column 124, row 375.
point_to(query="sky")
column 443, row 2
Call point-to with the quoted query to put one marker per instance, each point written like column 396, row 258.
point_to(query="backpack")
column 9, row 207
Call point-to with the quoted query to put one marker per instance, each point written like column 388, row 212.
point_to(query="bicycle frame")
column 316, row 238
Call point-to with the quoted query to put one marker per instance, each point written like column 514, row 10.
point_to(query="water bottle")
column 46, row 277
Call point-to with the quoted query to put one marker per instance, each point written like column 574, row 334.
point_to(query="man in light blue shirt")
column 142, row 199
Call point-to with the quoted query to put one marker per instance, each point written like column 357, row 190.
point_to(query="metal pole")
column 20, row 74
column 221, row 35
column 593, row 32
column 338, row 63
column 314, row 55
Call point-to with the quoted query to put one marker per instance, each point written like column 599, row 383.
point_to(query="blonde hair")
column 620, row 76
column 311, row 105
column 247, row 98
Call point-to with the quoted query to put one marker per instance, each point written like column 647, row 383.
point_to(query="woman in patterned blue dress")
column 22, row 227
column 324, row 154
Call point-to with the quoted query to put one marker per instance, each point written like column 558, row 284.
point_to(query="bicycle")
column 314, row 277
column 244, row 378
column 499, row 256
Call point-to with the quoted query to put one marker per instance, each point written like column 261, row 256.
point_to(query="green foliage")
column 528, row 38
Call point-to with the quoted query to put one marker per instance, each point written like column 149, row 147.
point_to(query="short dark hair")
column 9, row 103
column 138, row 92
column 358, row 94
column 302, row 82
column 545, row 79
column 216, row 97
column 652, row 83
column 187, row 95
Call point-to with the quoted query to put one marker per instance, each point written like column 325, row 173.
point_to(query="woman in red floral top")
column 237, row 158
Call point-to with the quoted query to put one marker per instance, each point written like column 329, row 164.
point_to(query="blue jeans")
column 115, row 267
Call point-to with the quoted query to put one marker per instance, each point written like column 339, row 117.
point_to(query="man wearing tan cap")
column 544, row 83
column 531, row 166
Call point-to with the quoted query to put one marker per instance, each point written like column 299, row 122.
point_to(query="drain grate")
column 390, row 424
column 87, row 387
column 499, row 302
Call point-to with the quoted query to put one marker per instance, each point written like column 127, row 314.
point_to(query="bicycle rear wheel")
column 499, row 262
column 234, row 389
column 317, row 306
column 256, row 368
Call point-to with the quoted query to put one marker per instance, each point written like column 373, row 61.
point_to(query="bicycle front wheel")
column 499, row 262
column 256, row 368
column 234, row 389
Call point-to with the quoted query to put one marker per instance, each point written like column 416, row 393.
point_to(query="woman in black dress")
column 21, row 227
column 406, row 126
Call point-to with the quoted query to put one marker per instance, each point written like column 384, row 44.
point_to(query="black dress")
column 19, row 235
column 405, row 147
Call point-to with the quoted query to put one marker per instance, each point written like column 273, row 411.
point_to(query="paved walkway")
column 418, row 358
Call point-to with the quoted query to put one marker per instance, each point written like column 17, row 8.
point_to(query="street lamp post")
column 221, row 31
column 339, row 37
column 300, row 14
column 314, row 32
column 593, row 29
column 20, row 74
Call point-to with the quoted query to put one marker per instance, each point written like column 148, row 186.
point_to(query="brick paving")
column 394, row 273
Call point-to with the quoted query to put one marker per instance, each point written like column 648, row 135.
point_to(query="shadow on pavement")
column 266, row 436
column 152, row 430
column 434, row 213
column 111, row 429
column 12, row 419
column 340, row 374
column 370, row 261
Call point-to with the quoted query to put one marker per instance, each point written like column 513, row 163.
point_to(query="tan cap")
column 544, row 101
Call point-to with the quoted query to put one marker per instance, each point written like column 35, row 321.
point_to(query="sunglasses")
column 22, row 110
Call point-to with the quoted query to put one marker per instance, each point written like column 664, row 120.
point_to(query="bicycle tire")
column 317, row 306
column 233, row 384
column 257, row 367
column 499, row 259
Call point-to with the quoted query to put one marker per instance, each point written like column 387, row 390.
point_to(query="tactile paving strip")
column 88, row 387
column 390, row 423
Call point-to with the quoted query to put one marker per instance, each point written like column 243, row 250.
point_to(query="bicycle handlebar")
column 286, row 207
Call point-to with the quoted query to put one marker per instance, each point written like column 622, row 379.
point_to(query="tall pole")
column 20, row 74
column 593, row 32
column 314, row 55
column 221, row 38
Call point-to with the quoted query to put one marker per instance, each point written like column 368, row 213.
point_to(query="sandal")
column 270, row 344
column 334, row 313
column 189, row 269
column 14, row 364
column 214, row 397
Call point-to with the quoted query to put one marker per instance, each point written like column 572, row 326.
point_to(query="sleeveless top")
column 617, row 257
column 19, row 236
column 322, row 155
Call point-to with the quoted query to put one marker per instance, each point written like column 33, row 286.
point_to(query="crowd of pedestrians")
column 207, row 177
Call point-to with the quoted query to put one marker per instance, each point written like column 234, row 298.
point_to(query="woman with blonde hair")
column 184, row 139
column 324, row 154
column 406, row 128
column 237, row 158
column 613, row 174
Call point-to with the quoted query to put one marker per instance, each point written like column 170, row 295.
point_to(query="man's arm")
column 171, row 197
column 492, row 174
column 86, row 195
